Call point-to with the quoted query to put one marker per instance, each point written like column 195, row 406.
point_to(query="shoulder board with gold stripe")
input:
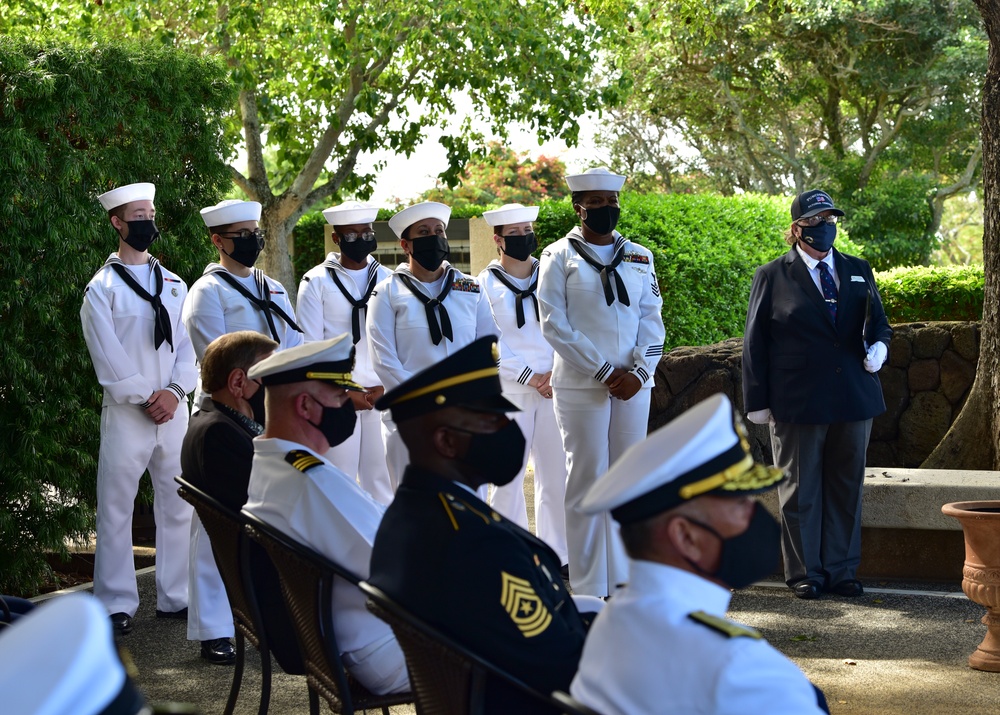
column 726, row 628
column 301, row 460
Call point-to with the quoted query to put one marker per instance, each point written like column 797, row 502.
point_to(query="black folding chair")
column 244, row 567
column 307, row 582
column 447, row 678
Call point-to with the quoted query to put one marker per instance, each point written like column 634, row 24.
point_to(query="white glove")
column 876, row 356
column 761, row 417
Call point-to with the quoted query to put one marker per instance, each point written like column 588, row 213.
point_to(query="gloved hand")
column 761, row 417
column 876, row 357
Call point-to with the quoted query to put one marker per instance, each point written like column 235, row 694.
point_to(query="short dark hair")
column 405, row 235
column 637, row 536
column 232, row 351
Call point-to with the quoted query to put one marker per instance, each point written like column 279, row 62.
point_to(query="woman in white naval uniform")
column 425, row 311
column 144, row 360
column 333, row 300
column 600, row 306
column 510, row 284
column 231, row 295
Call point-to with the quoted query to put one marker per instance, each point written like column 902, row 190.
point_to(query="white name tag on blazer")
column 857, row 279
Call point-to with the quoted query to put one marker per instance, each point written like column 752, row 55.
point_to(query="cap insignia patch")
column 523, row 605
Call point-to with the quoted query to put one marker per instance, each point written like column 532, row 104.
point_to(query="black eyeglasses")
column 352, row 236
column 246, row 234
column 817, row 220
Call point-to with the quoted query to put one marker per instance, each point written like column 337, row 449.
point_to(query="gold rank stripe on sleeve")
column 523, row 605
column 302, row 460
column 721, row 625
column 447, row 509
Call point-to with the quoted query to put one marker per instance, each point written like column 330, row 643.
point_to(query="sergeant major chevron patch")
column 523, row 605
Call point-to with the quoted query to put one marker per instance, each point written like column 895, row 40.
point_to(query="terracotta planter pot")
column 980, row 522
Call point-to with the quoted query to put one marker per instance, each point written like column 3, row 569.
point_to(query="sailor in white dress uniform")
column 510, row 284
column 600, row 307
column 424, row 312
column 144, row 360
column 333, row 300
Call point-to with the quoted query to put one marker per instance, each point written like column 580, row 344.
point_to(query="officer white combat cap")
column 230, row 211
column 599, row 179
column 126, row 194
column 325, row 360
column 511, row 213
column 350, row 213
column 703, row 451
column 81, row 675
column 418, row 212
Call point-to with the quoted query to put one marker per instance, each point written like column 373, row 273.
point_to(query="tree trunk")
column 972, row 442
column 275, row 261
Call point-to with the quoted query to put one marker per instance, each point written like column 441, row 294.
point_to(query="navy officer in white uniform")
column 511, row 283
column 600, row 306
column 333, row 299
column 295, row 489
column 144, row 360
column 422, row 313
column 693, row 532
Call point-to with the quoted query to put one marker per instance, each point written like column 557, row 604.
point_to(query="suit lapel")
column 845, row 293
column 800, row 274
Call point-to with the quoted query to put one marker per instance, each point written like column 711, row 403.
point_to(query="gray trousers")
column 821, row 498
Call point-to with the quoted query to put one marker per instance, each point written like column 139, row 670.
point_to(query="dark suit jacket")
column 449, row 558
column 795, row 360
column 217, row 454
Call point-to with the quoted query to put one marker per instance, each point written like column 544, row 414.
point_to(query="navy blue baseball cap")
column 810, row 203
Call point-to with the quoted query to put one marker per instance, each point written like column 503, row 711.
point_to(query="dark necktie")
column 358, row 304
column 606, row 272
column 430, row 304
column 829, row 289
column 162, row 330
column 265, row 305
column 520, row 295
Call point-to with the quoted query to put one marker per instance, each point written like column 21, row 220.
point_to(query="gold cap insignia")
column 523, row 605
column 495, row 351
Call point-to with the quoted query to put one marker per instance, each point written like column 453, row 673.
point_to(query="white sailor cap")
column 418, row 212
column 126, row 194
column 230, row 211
column 81, row 675
column 599, row 179
column 510, row 213
column 703, row 451
column 329, row 361
column 350, row 213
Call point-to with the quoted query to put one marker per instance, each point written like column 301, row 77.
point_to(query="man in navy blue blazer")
column 816, row 334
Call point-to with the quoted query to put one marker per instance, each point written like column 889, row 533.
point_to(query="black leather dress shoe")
column 807, row 589
column 219, row 651
column 122, row 623
column 850, row 588
column 180, row 615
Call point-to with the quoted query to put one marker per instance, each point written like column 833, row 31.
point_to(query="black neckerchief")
column 161, row 317
column 357, row 304
column 529, row 292
column 265, row 304
column 606, row 271
column 431, row 303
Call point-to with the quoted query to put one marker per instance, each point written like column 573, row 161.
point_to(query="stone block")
column 921, row 427
column 923, row 375
column 685, row 365
column 930, row 342
column 957, row 375
column 965, row 341
column 900, row 348
column 880, row 452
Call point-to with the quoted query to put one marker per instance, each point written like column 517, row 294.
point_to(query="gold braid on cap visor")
column 449, row 382
column 745, row 475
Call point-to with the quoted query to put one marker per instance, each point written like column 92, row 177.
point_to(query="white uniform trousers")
column 596, row 430
column 380, row 666
column 209, row 614
column 130, row 444
column 537, row 420
column 363, row 456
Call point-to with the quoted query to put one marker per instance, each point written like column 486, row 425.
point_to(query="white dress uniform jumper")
column 598, row 313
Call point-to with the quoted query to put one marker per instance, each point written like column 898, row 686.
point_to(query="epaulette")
column 466, row 285
column 302, row 460
column 726, row 628
column 454, row 506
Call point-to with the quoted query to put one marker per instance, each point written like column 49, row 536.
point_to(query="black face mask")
column 357, row 250
column 256, row 402
column 141, row 234
column 520, row 247
column 246, row 250
column 820, row 238
column 747, row 557
column 603, row 220
column 498, row 456
column 430, row 251
column 337, row 423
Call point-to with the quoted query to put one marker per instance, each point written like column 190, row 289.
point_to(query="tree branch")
column 259, row 186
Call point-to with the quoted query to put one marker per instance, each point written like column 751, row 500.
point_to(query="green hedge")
column 75, row 122
column 920, row 294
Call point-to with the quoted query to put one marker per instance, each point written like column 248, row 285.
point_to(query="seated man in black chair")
column 445, row 555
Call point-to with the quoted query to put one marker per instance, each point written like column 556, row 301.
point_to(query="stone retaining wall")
column 925, row 382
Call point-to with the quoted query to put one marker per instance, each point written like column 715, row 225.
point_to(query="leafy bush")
column 309, row 243
column 75, row 122
column 920, row 294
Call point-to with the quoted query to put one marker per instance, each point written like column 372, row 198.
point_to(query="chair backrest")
column 445, row 676
column 307, row 582
column 242, row 575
